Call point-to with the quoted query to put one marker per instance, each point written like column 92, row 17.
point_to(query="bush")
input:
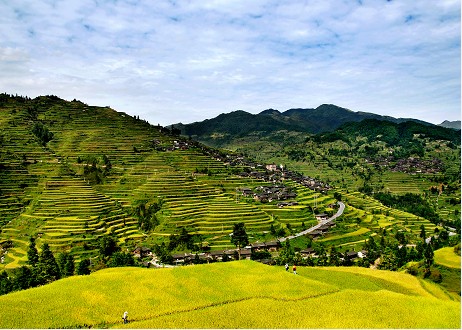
column 435, row 276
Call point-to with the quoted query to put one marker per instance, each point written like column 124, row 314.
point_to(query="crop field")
column 241, row 294
column 447, row 257
column 84, row 183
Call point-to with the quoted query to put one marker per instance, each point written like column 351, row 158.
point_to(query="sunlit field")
column 241, row 294
column 447, row 257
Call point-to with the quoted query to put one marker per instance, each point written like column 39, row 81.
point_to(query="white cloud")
column 171, row 61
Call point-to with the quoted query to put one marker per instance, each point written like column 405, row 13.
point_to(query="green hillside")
column 71, row 173
column 240, row 294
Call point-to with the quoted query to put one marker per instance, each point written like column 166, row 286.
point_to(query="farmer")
column 287, row 267
column 125, row 317
column 294, row 268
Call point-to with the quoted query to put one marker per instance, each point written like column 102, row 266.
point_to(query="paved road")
column 309, row 230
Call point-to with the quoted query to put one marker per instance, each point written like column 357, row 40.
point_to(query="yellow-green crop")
column 241, row 294
column 447, row 257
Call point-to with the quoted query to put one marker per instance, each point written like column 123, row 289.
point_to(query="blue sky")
column 184, row 61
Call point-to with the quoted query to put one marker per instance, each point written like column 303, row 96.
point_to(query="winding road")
column 309, row 230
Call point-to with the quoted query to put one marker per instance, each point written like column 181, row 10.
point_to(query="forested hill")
column 222, row 129
column 391, row 133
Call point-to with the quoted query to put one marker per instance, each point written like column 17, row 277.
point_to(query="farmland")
column 99, row 165
column 241, row 294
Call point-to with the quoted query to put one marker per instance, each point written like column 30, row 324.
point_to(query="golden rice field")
column 447, row 257
column 240, row 294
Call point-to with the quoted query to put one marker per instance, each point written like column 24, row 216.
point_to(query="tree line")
column 43, row 268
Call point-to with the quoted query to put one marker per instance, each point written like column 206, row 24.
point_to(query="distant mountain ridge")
column 450, row 124
column 325, row 118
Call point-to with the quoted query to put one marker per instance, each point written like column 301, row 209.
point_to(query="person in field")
column 294, row 268
column 125, row 317
column 287, row 267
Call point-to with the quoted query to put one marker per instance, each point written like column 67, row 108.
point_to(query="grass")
column 241, row 294
column 447, row 257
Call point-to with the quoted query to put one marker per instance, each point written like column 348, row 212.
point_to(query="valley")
column 75, row 176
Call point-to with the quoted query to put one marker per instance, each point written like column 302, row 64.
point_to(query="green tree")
column 338, row 196
column 107, row 246
column 423, row 235
column 322, row 259
column 47, row 266
column 401, row 256
column 5, row 283
column 286, row 253
column 84, row 267
column 388, row 260
column 334, row 256
column 23, row 278
column 239, row 237
column 121, row 259
column 428, row 256
column 66, row 264
column 32, row 253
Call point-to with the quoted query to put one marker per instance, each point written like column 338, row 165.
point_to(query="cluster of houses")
column 267, row 172
column 266, row 194
column 233, row 254
column 411, row 165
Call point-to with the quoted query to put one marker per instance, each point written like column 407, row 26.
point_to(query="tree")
column 5, row 283
column 388, row 260
column 428, row 256
column 47, row 266
column 66, row 264
column 32, row 253
column 423, row 235
column 239, row 237
column 401, row 256
column 84, row 267
column 23, row 278
column 334, row 257
column 107, row 246
column 322, row 259
column 338, row 196
column 121, row 259
column 286, row 254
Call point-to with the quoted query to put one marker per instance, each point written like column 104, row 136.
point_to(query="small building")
column 258, row 247
column 351, row 255
column 315, row 234
column 246, row 253
column 273, row 246
column 141, row 252
column 308, row 252
column 362, row 254
column 321, row 217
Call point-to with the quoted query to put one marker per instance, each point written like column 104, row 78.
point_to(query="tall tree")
column 84, row 267
column 334, row 256
column 428, row 256
column 423, row 235
column 23, row 278
column 239, row 237
column 66, row 264
column 5, row 283
column 107, row 246
column 47, row 265
column 32, row 253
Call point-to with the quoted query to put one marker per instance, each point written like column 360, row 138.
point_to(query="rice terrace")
column 104, row 213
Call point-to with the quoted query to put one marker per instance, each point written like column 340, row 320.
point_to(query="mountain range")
column 325, row 118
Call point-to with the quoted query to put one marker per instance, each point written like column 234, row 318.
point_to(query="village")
column 409, row 165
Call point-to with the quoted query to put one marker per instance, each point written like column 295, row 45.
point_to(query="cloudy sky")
column 184, row 61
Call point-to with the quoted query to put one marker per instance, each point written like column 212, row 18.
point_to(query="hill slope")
column 240, row 294
column 222, row 129
column 451, row 124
